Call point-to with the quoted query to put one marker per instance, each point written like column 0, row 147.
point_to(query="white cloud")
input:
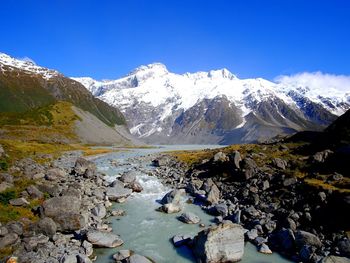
column 316, row 81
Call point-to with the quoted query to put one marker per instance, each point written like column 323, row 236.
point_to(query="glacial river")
column 148, row 232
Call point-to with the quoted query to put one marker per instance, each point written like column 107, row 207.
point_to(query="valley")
column 260, row 165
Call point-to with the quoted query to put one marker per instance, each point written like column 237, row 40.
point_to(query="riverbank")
column 281, row 212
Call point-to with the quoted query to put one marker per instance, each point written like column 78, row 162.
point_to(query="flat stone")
column 19, row 202
column 189, row 218
column 104, row 239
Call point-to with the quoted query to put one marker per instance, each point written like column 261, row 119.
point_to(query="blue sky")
column 107, row 39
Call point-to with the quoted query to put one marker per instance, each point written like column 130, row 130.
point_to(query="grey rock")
column 171, row 208
column 213, row 197
column 64, row 210
column 117, row 193
column 47, row 226
column 33, row 241
column 122, row 254
column 19, row 202
column 88, row 248
column 264, row 249
column 335, row 259
column 189, row 218
column 135, row 187
column 69, row 259
column 118, row 212
column 306, row 238
column 219, row 210
column 279, row 163
column 15, row 227
column 84, row 167
column 135, row 258
column 128, row 177
column 3, row 231
column 55, row 174
column 249, row 168
column 180, row 240
column 174, row 196
column 34, row 192
column 222, row 243
column 8, row 240
column 71, row 191
column 104, row 239
column 252, row 234
column 320, row 157
column 99, row 211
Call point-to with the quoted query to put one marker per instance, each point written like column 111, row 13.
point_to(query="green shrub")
column 6, row 196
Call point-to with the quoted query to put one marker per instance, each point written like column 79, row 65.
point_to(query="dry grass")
column 92, row 151
column 320, row 184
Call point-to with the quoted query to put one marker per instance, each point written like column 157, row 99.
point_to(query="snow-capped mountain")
column 25, row 65
column 216, row 106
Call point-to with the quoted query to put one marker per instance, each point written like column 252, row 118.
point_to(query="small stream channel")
column 146, row 231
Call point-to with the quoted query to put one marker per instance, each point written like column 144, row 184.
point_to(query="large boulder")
column 249, row 168
column 47, row 226
column 84, row 167
column 135, row 258
column 104, row 239
column 128, row 177
column 222, row 243
column 64, row 210
column 118, row 193
column 174, row 196
column 213, row 195
column 305, row 238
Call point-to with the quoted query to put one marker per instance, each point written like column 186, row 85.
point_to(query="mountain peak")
column 221, row 73
column 27, row 65
column 153, row 67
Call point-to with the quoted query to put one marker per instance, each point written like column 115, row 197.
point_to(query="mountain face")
column 26, row 87
column 216, row 106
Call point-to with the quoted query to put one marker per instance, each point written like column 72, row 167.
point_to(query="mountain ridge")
column 26, row 87
column 158, row 98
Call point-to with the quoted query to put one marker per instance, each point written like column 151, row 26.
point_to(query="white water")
column 148, row 232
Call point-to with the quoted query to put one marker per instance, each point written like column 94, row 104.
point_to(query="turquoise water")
column 148, row 232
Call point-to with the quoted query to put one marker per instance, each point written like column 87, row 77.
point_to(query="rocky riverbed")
column 74, row 221
column 278, row 213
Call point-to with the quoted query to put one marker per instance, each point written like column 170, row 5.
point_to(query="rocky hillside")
column 29, row 93
column 218, row 107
